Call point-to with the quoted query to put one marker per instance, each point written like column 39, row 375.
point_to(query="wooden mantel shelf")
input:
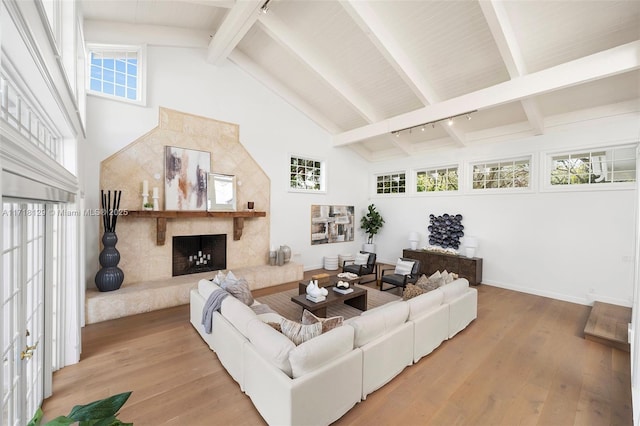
column 161, row 217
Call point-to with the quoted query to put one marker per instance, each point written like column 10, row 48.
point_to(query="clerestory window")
column 116, row 72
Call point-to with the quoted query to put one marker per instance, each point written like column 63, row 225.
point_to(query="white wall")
column 270, row 129
column 577, row 246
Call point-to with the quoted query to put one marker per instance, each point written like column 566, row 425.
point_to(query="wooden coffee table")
column 357, row 298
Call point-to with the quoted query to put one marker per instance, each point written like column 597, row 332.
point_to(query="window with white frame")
column 306, row 174
column 441, row 179
column 502, row 174
column 116, row 72
column 393, row 183
column 599, row 166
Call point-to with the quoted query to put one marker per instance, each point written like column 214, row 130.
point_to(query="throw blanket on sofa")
column 213, row 304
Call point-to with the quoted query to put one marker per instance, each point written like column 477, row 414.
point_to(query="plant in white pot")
column 371, row 223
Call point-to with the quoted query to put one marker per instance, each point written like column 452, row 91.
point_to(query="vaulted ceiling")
column 373, row 72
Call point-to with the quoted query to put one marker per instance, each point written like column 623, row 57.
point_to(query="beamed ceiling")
column 364, row 69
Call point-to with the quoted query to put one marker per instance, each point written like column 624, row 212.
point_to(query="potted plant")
column 148, row 206
column 101, row 412
column 371, row 223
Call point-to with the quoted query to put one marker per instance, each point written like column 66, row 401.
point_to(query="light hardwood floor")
column 523, row 361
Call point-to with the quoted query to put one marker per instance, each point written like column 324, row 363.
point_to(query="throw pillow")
column 239, row 289
column 423, row 280
column 361, row 259
column 404, row 267
column 218, row 279
column 428, row 286
column 448, row 277
column 436, row 279
column 327, row 323
column 230, row 278
column 411, row 291
column 299, row 333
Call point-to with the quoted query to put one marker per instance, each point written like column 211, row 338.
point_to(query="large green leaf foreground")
column 97, row 413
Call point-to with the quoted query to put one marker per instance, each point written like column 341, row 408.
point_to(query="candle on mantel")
column 155, row 192
column 145, row 186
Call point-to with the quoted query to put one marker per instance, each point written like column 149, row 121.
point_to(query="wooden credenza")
column 430, row 262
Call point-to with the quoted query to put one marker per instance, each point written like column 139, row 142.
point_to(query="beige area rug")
column 282, row 304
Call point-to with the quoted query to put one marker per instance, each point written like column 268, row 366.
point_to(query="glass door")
column 22, row 310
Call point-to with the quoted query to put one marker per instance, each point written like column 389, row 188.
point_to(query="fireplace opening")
column 193, row 254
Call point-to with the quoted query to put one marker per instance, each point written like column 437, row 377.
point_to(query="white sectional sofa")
column 344, row 365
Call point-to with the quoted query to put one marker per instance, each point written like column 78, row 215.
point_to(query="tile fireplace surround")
column 143, row 261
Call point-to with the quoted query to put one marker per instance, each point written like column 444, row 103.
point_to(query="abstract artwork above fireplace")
column 186, row 172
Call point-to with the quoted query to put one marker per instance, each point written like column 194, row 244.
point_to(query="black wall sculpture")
column 445, row 230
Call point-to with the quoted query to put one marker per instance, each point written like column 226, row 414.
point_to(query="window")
column 502, row 174
column 306, row 174
column 445, row 179
column 116, row 72
column 611, row 165
column 395, row 183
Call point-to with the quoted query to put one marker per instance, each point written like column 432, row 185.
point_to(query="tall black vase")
column 110, row 277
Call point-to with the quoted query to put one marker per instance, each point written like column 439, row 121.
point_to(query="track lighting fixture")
column 449, row 120
column 265, row 7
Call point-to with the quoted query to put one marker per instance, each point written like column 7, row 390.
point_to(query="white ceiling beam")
column 502, row 31
column 600, row 65
column 369, row 22
column 236, row 24
column 257, row 72
column 152, row 35
column 279, row 32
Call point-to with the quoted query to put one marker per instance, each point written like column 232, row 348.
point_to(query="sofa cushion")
column 205, row 288
column 371, row 326
column 376, row 309
column 425, row 303
column 272, row 345
column 315, row 353
column 270, row 317
column 237, row 313
column 454, row 289
column 327, row 323
column 300, row 333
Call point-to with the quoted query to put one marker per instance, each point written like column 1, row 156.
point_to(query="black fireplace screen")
column 199, row 253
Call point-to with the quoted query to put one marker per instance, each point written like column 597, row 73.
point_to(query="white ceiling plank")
column 257, row 72
column 225, row 4
column 282, row 35
column 600, row 65
column 367, row 19
column 502, row 31
column 236, row 24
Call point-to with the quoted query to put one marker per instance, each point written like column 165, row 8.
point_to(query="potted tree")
column 371, row 223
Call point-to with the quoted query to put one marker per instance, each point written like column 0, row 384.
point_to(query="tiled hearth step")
column 149, row 296
column 608, row 324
